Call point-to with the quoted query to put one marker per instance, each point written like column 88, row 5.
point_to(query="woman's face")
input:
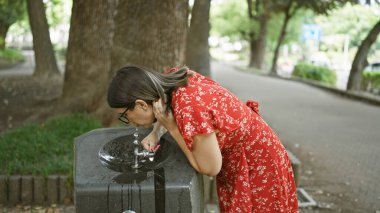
column 140, row 116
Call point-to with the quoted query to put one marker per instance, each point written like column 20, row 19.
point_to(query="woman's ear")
column 142, row 104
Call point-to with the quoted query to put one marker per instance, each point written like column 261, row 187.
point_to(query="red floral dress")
column 256, row 174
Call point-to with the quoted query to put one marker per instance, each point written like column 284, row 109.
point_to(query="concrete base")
column 175, row 187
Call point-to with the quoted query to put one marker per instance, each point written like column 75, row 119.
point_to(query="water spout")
column 140, row 154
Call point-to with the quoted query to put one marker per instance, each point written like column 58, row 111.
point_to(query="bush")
column 11, row 55
column 43, row 149
column 371, row 81
column 316, row 73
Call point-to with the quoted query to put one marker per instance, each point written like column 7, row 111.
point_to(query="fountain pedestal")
column 172, row 186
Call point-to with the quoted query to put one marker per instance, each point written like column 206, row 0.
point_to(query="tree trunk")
column 3, row 35
column 197, row 47
column 46, row 63
column 258, row 44
column 288, row 16
column 150, row 33
column 88, row 59
column 360, row 60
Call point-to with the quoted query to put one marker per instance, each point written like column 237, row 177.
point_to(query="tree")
column 155, row 39
column 252, row 26
column 354, row 20
column 46, row 63
column 289, row 9
column 259, row 12
column 197, row 47
column 88, row 59
column 100, row 43
column 10, row 12
column 360, row 60
column 255, row 26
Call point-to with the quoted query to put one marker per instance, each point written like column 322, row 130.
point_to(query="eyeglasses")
column 123, row 117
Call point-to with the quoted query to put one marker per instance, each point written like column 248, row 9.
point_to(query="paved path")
column 337, row 139
column 27, row 67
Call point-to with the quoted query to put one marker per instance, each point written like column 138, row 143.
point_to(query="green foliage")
column 58, row 12
column 43, row 149
column 230, row 19
column 353, row 20
column 11, row 11
column 323, row 7
column 293, row 31
column 11, row 55
column 316, row 73
column 371, row 80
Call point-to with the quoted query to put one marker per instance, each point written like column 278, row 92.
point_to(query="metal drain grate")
column 304, row 199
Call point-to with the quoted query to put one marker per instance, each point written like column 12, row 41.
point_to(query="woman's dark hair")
column 135, row 82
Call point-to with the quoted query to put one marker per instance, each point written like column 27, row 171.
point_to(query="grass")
column 371, row 81
column 43, row 149
column 11, row 55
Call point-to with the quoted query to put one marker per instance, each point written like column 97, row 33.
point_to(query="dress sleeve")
column 198, row 120
column 194, row 120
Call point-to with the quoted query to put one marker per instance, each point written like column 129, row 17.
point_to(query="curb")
column 17, row 189
column 296, row 167
column 360, row 96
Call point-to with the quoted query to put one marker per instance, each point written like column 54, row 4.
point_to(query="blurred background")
column 270, row 37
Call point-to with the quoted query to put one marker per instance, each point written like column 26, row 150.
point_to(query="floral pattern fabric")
column 256, row 174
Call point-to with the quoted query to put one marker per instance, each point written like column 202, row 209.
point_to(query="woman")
column 220, row 135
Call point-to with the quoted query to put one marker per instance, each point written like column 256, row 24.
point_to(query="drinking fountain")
column 140, row 154
column 114, row 174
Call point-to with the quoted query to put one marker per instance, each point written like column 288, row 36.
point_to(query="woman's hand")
column 166, row 119
column 150, row 142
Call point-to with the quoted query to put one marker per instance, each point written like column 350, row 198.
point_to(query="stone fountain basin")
column 118, row 154
column 170, row 184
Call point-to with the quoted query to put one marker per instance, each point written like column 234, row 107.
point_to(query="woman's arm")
column 206, row 157
column 159, row 129
column 207, row 153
